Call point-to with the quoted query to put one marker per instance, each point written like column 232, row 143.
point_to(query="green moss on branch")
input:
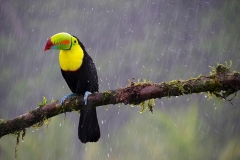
column 222, row 82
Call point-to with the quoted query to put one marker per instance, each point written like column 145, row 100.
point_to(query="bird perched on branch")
column 80, row 73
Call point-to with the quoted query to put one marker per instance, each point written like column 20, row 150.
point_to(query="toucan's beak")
column 49, row 44
column 59, row 41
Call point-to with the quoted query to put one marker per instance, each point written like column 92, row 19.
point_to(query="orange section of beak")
column 48, row 46
column 64, row 42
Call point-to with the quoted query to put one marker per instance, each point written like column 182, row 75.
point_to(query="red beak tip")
column 49, row 44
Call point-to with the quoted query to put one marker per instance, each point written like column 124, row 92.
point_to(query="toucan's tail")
column 88, row 128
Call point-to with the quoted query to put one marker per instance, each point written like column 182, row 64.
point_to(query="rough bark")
column 221, row 83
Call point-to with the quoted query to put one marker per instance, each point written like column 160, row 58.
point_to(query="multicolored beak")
column 48, row 46
column 59, row 41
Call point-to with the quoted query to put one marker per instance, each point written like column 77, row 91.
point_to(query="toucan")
column 79, row 71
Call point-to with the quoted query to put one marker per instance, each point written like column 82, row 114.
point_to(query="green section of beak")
column 60, row 41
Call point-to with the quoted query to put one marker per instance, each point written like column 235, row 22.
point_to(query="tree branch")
column 222, row 83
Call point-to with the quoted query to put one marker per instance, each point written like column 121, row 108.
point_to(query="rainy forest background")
column 159, row 40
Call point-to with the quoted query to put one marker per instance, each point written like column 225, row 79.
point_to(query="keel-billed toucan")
column 80, row 74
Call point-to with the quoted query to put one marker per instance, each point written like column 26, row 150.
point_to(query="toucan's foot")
column 86, row 96
column 67, row 96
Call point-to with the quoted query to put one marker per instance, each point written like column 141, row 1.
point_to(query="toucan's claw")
column 67, row 96
column 86, row 96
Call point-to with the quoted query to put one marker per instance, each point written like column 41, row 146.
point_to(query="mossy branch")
column 221, row 82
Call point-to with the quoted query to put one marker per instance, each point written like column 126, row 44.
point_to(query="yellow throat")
column 71, row 60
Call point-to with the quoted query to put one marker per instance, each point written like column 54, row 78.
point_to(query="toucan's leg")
column 86, row 96
column 67, row 96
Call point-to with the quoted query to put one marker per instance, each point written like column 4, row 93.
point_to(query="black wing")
column 90, row 71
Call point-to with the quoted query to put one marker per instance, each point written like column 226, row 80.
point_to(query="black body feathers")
column 79, row 81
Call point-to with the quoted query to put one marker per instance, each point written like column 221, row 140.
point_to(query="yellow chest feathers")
column 71, row 60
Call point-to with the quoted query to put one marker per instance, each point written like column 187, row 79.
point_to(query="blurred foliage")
column 232, row 150
column 47, row 145
column 161, row 136
column 154, row 40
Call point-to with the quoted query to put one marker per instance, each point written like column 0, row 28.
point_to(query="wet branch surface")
column 221, row 83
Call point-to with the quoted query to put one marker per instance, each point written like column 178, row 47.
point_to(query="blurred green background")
column 157, row 40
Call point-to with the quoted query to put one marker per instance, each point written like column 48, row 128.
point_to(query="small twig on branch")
column 221, row 83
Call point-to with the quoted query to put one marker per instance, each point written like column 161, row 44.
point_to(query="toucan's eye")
column 74, row 41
